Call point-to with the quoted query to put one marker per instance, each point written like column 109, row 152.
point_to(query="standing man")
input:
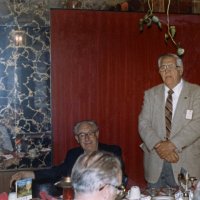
column 169, row 125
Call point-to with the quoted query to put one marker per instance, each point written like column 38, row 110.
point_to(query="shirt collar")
column 176, row 89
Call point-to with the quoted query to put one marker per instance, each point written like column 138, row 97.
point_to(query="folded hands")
column 167, row 151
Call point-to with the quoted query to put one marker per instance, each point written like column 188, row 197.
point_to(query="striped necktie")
column 168, row 113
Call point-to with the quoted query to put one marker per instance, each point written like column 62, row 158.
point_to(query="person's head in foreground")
column 97, row 176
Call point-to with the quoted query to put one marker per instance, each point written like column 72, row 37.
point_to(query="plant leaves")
column 159, row 25
column 172, row 30
column 150, row 18
column 180, row 51
column 155, row 19
column 149, row 22
column 166, row 37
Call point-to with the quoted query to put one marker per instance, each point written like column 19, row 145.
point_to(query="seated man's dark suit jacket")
column 57, row 172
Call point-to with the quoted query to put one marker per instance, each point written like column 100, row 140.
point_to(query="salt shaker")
column 186, row 195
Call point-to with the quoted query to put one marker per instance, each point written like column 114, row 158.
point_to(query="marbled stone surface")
column 25, row 93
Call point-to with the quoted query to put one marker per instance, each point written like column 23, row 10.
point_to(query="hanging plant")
column 150, row 19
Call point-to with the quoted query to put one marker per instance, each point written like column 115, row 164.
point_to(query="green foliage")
column 149, row 19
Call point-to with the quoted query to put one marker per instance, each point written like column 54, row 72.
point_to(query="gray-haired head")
column 91, row 123
column 95, row 170
column 179, row 62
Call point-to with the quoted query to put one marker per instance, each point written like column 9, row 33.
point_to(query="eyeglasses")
column 121, row 190
column 89, row 134
column 169, row 66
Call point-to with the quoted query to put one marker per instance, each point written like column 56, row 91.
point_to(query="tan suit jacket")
column 185, row 130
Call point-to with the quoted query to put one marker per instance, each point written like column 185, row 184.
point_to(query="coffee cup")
column 134, row 193
column 12, row 196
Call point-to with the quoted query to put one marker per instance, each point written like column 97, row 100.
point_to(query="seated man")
column 97, row 176
column 86, row 134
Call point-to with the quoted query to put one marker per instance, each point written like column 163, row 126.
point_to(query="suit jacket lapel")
column 159, row 102
column 180, row 112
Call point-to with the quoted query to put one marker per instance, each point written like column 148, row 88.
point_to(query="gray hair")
column 91, row 123
column 179, row 61
column 95, row 170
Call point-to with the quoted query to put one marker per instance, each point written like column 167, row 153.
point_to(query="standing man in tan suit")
column 166, row 153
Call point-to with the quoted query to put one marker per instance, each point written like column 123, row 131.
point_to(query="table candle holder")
column 65, row 184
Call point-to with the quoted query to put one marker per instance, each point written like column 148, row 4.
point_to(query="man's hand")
column 22, row 175
column 166, row 151
column 172, row 157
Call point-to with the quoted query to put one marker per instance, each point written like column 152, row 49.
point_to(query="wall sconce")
column 19, row 38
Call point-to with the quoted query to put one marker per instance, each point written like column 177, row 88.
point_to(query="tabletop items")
column 186, row 186
column 163, row 198
column 3, row 196
column 185, row 191
column 21, row 190
column 68, row 192
column 134, row 193
column 197, row 192
column 45, row 196
column 154, row 192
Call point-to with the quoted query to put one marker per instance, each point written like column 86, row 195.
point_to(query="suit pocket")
column 144, row 148
column 146, row 157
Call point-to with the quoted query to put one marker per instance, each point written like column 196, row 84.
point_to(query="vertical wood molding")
column 5, row 181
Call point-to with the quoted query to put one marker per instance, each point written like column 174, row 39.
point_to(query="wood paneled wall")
column 4, row 181
column 101, row 65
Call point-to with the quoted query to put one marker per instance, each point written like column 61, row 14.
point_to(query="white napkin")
column 145, row 197
column 179, row 195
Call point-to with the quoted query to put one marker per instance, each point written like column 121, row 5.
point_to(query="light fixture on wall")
column 19, row 38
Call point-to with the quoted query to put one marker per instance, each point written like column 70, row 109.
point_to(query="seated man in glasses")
column 86, row 134
column 97, row 176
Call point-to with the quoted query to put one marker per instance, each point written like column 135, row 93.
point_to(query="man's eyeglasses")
column 89, row 134
column 170, row 66
column 121, row 191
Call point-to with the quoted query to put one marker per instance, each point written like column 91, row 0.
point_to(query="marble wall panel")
column 25, row 93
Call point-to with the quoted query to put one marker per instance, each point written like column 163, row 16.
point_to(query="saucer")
column 162, row 198
column 64, row 183
column 129, row 198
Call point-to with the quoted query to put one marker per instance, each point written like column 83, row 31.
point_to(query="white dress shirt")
column 175, row 95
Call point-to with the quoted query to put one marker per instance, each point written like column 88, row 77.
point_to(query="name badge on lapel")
column 189, row 114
